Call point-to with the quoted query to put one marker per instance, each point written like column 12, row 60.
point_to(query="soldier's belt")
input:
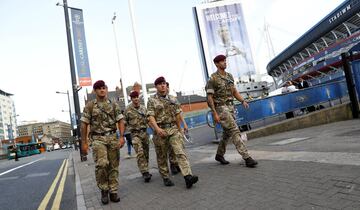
column 103, row 133
column 166, row 125
column 229, row 103
column 138, row 130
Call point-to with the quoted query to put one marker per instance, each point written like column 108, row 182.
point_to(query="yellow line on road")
column 47, row 197
column 59, row 193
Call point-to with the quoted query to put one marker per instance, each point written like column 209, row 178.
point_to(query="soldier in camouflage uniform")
column 136, row 123
column 164, row 117
column 174, row 166
column 221, row 92
column 104, row 117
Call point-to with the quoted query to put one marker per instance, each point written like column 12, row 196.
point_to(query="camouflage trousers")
column 172, row 156
column 140, row 143
column 173, row 140
column 106, row 156
column 230, row 131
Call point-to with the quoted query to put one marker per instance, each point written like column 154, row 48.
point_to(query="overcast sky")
column 34, row 58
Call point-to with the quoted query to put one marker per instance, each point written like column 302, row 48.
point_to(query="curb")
column 80, row 201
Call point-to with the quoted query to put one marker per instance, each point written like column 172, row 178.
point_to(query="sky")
column 34, row 61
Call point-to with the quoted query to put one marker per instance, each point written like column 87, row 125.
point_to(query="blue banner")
column 82, row 61
column 275, row 105
column 356, row 72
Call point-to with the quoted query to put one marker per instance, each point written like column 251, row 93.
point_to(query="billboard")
column 222, row 30
column 80, row 49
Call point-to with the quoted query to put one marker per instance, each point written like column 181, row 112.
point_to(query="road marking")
column 37, row 174
column 13, row 169
column 9, row 178
column 289, row 141
column 60, row 191
column 47, row 197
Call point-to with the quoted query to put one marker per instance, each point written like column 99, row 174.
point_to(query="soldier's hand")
column 245, row 104
column 121, row 142
column 216, row 117
column 186, row 129
column 161, row 132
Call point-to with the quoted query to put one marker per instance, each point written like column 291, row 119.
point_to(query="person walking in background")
column 164, row 117
column 136, row 123
column 221, row 92
column 104, row 118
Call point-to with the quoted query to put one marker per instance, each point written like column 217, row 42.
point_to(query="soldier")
column 174, row 166
column 136, row 123
column 164, row 117
column 104, row 117
column 221, row 92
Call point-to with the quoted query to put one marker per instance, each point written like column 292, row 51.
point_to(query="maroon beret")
column 134, row 94
column 98, row 84
column 219, row 58
column 159, row 80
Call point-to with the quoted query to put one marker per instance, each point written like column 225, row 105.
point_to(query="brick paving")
column 291, row 180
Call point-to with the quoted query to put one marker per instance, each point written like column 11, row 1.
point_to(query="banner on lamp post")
column 80, row 49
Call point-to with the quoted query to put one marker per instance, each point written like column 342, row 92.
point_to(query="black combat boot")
column 104, row 196
column 114, row 197
column 168, row 182
column 147, row 176
column 251, row 163
column 173, row 169
column 190, row 180
column 221, row 159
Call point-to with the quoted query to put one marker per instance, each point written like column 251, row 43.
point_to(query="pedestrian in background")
column 221, row 92
column 104, row 118
column 164, row 117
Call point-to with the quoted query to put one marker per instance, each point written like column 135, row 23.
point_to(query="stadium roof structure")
column 318, row 51
column 5, row 93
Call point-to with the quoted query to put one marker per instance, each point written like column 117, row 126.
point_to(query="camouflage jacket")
column 102, row 116
column 135, row 118
column 163, row 109
column 220, row 87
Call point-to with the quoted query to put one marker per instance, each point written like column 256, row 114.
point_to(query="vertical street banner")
column 223, row 31
column 80, row 49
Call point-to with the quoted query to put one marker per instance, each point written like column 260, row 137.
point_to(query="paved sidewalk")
column 312, row 168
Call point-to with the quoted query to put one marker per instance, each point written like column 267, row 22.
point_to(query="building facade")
column 7, row 116
column 56, row 129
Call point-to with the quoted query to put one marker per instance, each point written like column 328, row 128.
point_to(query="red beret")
column 134, row 94
column 219, row 58
column 159, row 80
column 98, row 84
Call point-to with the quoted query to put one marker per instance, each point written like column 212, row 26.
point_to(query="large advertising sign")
column 223, row 31
column 82, row 61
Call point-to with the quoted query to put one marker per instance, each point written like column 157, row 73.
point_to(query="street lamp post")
column 132, row 17
column 113, row 22
column 73, row 76
column 71, row 122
